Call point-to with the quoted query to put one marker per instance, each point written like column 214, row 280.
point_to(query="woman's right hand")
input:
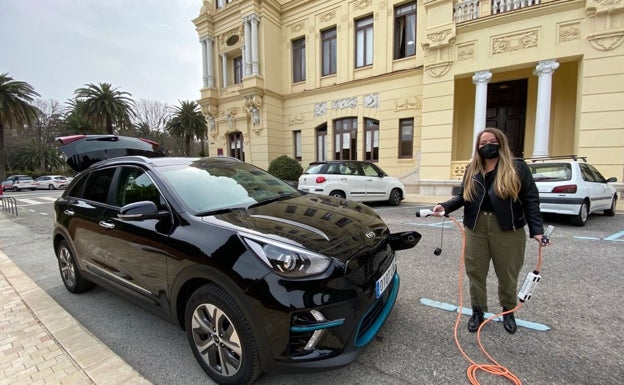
column 438, row 210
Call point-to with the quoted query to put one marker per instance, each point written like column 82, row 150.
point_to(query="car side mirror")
column 404, row 240
column 612, row 180
column 142, row 210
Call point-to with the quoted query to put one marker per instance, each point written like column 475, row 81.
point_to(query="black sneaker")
column 476, row 319
column 509, row 322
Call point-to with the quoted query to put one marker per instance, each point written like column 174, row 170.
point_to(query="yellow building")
column 407, row 84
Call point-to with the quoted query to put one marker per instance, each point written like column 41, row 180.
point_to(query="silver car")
column 573, row 187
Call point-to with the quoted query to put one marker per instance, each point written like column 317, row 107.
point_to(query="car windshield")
column 206, row 187
column 551, row 172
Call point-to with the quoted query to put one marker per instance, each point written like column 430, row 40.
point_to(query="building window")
column 405, row 30
column 364, row 42
column 371, row 140
column 406, row 138
column 297, row 144
column 328, row 50
column 237, row 63
column 298, row 60
column 236, row 145
column 345, row 145
column 321, row 143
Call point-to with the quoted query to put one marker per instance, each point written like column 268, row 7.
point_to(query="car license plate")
column 383, row 282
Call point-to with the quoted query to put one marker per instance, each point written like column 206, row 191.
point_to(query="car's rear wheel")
column 221, row 337
column 395, row 197
column 611, row 211
column 581, row 218
column 70, row 273
column 51, row 187
column 337, row 194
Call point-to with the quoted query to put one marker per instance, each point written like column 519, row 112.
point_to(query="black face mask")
column 489, row 151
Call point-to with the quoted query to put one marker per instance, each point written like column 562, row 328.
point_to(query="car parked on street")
column 572, row 186
column 351, row 179
column 261, row 276
column 19, row 183
column 51, row 182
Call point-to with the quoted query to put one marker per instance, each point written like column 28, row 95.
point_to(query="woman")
column 499, row 198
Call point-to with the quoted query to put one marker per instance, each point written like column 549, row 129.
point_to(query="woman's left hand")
column 542, row 241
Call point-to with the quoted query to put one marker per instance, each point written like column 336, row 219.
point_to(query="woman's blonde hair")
column 506, row 183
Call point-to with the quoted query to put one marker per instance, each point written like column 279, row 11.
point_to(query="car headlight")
column 287, row 260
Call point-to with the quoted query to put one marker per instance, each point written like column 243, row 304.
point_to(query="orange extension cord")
column 494, row 368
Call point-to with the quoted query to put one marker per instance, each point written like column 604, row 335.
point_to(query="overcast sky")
column 148, row 48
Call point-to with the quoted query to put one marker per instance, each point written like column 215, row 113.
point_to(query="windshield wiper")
column 222, row 210
column 271, row 200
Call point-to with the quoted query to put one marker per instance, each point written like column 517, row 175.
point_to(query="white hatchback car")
column 571, row 186
column 51, row 182
column 351, row 179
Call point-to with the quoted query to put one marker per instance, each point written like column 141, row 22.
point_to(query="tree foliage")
column 285, row 168
column 105, row 106
column 16, row 110
column 187, row 122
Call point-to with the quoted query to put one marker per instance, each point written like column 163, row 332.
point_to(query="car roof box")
column 84, row 150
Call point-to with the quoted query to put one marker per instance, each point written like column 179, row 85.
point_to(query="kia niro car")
column 261, row 276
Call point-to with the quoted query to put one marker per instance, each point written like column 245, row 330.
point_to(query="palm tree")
column 105, row 107
column 187, row 122
column 16, row 109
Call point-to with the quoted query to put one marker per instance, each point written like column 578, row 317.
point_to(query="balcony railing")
column 473, row 9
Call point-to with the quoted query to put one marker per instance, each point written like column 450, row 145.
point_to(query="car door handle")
column 107, row 225
column 69, row 213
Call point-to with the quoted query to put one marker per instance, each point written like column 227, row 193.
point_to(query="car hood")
column 323, row 224
column 84, row 150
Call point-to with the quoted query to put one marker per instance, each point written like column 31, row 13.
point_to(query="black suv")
column 260, row 275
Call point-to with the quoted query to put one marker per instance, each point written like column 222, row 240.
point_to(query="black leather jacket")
column 511, row 215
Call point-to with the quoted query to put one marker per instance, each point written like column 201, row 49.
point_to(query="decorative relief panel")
column 515, row 42
column 371, row 101
column 320, row 109
column 569, row 31
column 297, row 27
column 605, row 19
column 296, row 120
column 361, row 5
column 344, row 103
column 466, row 52
column 407, row 104
column 327, row 17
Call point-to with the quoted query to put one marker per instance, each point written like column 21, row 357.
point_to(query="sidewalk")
column 41, row 344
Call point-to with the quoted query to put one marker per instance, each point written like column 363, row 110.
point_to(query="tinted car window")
column 97, row 185
column 135, row 186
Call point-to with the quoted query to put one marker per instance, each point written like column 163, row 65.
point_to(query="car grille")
column 360, row 269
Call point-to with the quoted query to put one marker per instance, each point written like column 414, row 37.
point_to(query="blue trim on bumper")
column 372, row 331
column 320, row 326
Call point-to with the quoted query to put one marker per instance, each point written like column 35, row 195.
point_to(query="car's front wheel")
column 581, row 218
column 70, row 273
column 221, row 337
column 611, row 211
column 395, row 197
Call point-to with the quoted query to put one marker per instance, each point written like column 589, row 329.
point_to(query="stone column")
column 209, row 63
column 225, row 70
column 202, row 41
column 255, row 20
column 246, row 47
column 480, row 79
column 544, row 70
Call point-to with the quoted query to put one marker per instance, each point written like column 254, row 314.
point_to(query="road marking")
column 615, row 237
column 29, row 201
column 466, row 311
column 445, row 224
column 590, row 238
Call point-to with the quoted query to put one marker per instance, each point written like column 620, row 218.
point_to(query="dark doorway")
column 506, row 110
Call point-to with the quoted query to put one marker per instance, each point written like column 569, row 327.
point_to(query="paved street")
column 576, row 302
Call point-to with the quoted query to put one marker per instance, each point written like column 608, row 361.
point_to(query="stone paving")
column 41, row 344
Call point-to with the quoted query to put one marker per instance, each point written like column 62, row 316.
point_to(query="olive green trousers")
column 506, row 251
